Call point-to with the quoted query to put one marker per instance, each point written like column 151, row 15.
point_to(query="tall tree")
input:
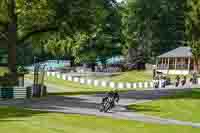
column 23, row 19
column 193, row 29
column 153, row 27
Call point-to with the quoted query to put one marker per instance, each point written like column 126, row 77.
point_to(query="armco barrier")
column 101, row 83
column 20, row 93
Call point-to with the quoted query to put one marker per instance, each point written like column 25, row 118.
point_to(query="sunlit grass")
column 183, row 106
column 14, row 120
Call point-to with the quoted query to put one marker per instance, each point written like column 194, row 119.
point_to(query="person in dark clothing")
column 177, row 80
column 114, row 95
column 194, row 76
column 183, row 82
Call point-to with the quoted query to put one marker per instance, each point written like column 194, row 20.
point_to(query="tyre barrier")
column 15, row 92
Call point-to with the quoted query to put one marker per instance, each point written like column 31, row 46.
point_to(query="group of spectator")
column 161, row 81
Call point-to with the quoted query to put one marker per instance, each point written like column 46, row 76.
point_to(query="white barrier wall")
column 104, row 83
column 199, row 81
column 89, row 82
column 48, row 74
column 76, row 79
column 146, row 84
column 82, row 81
column 112, row 85
column 64, row 76
column 53, row 73
column 121, row 85
column 134, row 85
column 128, row 85
column 70, row 78
column 151, row 85
column 141, row 85
column 97, row 83
column 58, row 75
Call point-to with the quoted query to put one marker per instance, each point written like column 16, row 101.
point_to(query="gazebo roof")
column 178, row 52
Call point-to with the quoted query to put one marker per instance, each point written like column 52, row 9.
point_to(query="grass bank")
column 131, row 76
column 14, row 120
column 182, row 106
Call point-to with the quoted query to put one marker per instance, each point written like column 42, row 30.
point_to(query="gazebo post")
column 168, row 64
column 175, row 63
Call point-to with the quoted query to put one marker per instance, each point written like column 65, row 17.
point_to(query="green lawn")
column 14, row 120
column 131, row 76
column 182, row 106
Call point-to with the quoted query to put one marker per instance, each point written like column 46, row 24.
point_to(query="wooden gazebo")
column 178, row 61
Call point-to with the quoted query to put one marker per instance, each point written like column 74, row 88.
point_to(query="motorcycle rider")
column 112, row 94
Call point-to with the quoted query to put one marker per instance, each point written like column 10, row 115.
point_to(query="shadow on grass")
column 14, row 114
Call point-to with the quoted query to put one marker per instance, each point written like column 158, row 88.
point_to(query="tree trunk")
column 12, row 36
column 131, row 55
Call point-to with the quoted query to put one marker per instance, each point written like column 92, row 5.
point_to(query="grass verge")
column 14, row 120
column 131, row 76
column 182, row 106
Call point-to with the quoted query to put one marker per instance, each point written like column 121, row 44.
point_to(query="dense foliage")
column 99, row 29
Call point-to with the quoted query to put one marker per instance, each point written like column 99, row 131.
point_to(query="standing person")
column 177, row 80
column 194, row 78
column 191, row 81
column 156, row 82
column 183, row 82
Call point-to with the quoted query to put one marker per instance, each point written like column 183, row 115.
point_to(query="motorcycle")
column 107, row 104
